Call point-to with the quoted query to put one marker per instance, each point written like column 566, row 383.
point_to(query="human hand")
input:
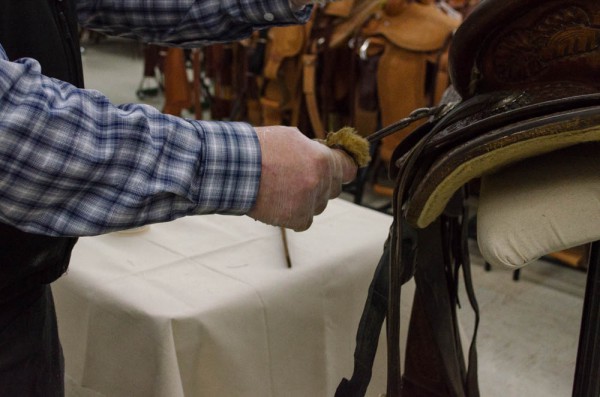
column 298, row 177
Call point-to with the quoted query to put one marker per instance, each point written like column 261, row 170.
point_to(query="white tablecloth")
column 206, row 306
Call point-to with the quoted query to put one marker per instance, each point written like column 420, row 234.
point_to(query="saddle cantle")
column 525, row 82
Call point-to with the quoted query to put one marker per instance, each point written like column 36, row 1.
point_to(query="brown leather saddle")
column 525, row 81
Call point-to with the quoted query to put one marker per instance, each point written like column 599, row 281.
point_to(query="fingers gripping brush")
column 349, row 141
column 354, row 145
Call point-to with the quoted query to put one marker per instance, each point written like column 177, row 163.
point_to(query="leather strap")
column 374, row 312
column 309, row 75
column 434, row 359
column 398, row 268
column 472, row 380
column 369, row 328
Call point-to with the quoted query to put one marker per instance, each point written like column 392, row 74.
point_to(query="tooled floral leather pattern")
column 561, row 36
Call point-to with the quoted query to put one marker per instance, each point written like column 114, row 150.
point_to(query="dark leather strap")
column 472, row 378
column 369, row 328
column 437, row 297
column 374, row 313
column 435, row 365
column 453, row 361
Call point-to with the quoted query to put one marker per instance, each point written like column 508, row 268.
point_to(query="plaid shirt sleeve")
column 187, row 23
column 73, row 164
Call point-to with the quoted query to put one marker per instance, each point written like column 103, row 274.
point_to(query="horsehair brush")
column 348, row 140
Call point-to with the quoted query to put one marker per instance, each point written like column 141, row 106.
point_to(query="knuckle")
column 310, row 181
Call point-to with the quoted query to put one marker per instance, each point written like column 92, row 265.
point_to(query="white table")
column 206, row 306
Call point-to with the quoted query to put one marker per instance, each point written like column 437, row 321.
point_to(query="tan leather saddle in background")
column 413, row 38
column 314, row 70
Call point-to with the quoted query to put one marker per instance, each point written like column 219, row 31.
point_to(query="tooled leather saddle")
column 525, row 80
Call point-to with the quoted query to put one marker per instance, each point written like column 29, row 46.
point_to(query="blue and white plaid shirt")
column 73, row 164
column 186, row 22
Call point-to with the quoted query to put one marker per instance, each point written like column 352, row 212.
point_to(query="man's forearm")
column 71, row 163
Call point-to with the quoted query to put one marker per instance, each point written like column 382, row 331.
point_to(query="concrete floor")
column 529, row 329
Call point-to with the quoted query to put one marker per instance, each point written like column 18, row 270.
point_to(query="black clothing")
column 30, row 353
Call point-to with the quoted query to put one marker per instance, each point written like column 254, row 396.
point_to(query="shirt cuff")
column 268, row 12
column 296, row 8
column 230, row 168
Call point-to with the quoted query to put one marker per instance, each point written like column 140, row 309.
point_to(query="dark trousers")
column 31, row 361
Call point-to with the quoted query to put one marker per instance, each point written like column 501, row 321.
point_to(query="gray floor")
column 529, row 329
